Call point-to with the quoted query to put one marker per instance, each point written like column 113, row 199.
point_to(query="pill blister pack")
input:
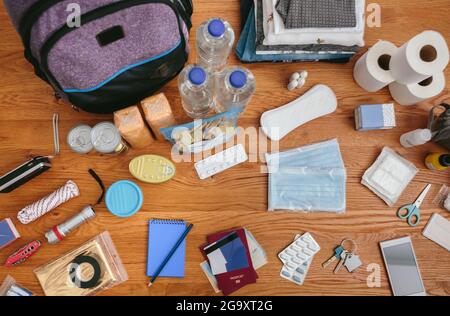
column 300, row 251
column 11, row 288
column 298, row 275
column 221, row 161
column 297, row 258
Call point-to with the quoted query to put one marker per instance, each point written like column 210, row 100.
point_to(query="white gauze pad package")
column 389, row 176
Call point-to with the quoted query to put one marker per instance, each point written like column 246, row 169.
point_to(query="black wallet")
column 24, row 173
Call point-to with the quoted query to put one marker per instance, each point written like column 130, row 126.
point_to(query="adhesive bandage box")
column 374, row 117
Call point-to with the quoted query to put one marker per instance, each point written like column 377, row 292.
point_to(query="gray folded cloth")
column 298, row 14
column 311, row 47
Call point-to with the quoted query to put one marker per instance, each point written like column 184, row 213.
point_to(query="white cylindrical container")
column 416, row 138
column 422, row 57
column 215, row 38
column 196, row 90
column 372, row 72
column 235, row 87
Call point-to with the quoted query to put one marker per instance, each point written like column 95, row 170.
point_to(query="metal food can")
column 106, row 139
column 79, row 139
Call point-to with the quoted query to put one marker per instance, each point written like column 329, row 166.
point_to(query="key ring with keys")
column 349, row 245
column 349, row 249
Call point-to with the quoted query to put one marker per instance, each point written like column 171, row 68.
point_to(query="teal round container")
column 124, row 198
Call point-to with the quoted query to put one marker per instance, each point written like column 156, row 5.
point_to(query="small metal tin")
column 106, row 139
column 79, row 139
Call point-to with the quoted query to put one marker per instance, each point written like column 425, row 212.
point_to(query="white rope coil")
column 39, row 208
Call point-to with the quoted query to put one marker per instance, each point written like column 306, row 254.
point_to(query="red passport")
column 230, row 282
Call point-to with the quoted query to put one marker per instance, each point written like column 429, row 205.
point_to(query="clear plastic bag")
column 204, row 134
column 308, row 189
column 321, row 155
column 91, row 268
column 308, row 179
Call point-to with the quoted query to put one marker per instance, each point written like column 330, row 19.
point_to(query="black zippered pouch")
column 24, row 173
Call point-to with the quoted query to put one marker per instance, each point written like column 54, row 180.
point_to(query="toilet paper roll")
column 418, row 92
column 372, row 71
column 423, row 56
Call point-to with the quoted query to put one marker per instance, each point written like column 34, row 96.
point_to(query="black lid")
column 445, row 160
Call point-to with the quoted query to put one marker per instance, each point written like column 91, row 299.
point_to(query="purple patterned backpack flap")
column 103, row 55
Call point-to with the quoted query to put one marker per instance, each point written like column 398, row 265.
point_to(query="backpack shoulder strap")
column 185, row 9
column 432, row 118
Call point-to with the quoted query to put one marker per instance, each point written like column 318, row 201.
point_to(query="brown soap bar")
column 158, row 113
column 132, row 127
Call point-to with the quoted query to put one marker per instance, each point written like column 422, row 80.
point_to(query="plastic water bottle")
column 196, row 91
column 215, row 38
column 234, row 89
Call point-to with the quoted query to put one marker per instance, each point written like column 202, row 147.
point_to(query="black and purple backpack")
column 118, row 53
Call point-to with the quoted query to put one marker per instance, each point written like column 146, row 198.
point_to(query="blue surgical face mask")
column 310, row 178
column 308, row 189
column 321, row 155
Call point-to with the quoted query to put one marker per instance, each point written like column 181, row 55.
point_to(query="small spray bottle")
column 415, row 138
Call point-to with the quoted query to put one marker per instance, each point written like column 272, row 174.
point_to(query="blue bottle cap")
column 124, row 198
column 238, row 79
column 197, row 75
column 216, row 28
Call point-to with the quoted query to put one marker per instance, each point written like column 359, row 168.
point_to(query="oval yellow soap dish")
column 152, row 168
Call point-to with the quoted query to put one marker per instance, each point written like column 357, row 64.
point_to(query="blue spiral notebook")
column 162, row 236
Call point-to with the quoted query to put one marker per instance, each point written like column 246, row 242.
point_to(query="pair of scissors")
column 411, row 212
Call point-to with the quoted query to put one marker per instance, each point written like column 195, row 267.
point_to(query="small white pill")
column 289, row 252
column 295, row 76
column 292, row 85
column 290, row 265
column 301, row 83
column 304, row 74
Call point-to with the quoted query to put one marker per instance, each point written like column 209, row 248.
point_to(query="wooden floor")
column 237, row 197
